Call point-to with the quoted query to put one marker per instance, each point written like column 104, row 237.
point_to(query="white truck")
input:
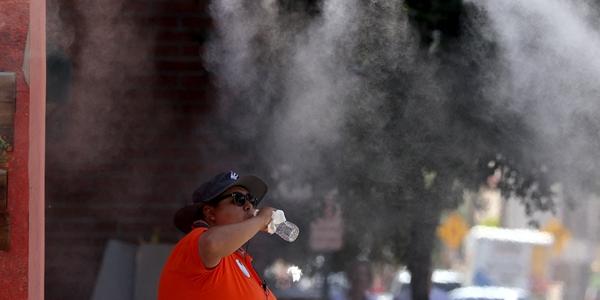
column 503, row 257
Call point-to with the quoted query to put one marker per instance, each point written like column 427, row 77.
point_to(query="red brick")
column 167, row 80
column 196, row 22
column 192, row 65
column 200, row 80
column 143, row 79
column 167, row 51
column 181, row 6
column 109, row 212
column 137, row 228
column 160, row 21
column 174, row 36
column 182, row 96
column 138, row 187
column 192, row 50
column 132, row 7
column 187, row 42
column 70, row 228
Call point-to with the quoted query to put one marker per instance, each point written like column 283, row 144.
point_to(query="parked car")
column 488, row 293
column 445, row 280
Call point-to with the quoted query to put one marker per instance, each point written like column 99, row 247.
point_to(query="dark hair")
column 199, row 213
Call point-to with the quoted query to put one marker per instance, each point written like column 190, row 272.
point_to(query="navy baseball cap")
column 212, row 189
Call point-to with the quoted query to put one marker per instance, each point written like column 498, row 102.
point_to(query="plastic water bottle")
column 287, row 231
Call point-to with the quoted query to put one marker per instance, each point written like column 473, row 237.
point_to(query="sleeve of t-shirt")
column 187, row 258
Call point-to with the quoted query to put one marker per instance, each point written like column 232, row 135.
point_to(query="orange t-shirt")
column 184, row 276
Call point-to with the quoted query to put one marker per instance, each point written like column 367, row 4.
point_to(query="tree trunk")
column 422, row 237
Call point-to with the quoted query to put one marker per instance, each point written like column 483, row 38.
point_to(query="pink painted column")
column 22, row 264
column 37, row 140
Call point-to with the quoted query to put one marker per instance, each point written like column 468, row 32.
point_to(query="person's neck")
column 200, row 223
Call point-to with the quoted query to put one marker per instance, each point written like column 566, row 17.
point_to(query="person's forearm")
column 220, row 241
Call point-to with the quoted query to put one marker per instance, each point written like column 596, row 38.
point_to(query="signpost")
column 560, row 233
column 326, row 235
column 452, row 231
column 326, row 232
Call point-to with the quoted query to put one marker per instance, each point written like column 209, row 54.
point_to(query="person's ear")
column 209, row 213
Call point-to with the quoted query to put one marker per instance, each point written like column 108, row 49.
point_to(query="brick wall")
column 14, row 19
column 124, row 149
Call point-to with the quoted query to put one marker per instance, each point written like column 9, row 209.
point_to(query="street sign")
column 326, row 232
column 453, row 230
column 560, row 233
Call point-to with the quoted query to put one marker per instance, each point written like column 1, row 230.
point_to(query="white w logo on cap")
column 234, row 175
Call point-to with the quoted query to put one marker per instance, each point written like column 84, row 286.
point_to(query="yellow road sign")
column 560, row 233
column 453, row 230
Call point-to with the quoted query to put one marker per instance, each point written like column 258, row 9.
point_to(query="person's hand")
column 265, row 214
